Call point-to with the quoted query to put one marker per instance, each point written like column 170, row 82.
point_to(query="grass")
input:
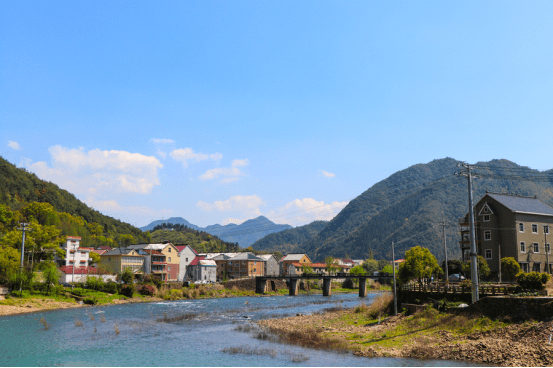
column 246, row 350
column 178, row 318
column 45, row 324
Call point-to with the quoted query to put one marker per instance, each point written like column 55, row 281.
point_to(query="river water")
column 210, row 327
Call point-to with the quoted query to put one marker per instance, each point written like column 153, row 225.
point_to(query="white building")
column 74, row 254
column 187, row 255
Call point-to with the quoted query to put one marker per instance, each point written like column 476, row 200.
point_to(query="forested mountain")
column 287, row 241
column 244, row 234
column 198, row 240
column 407, row 206
column 19, row 189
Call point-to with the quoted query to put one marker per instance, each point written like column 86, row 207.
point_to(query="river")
column 133, row 335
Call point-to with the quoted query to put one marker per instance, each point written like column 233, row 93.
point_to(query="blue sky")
column 223, row 111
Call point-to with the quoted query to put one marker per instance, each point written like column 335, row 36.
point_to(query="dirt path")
column 523, row 344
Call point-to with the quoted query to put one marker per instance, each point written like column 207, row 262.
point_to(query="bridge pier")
column 294, row 283
column 362, row 287
column 260, row 285
column 327, row 286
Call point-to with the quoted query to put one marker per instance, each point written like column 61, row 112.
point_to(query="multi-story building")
column 186, row 256
column 201, row 269
column 118, row 259
column 510, row 226
column 171, row 257
column 286, row 261
column 74, row 254
column 241, row 265
column 271, row 264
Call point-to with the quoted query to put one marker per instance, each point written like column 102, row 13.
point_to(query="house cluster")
column 169, row 262
column 508, row 225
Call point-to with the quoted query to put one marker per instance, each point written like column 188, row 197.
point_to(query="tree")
column 509, row 268
column 307, row 269
column 419, row 264
column 388, row 269
column 127, row 276
column 9, row 262
column 331, row 266
column 370, row 265
column 483, row 268
column 51, row 274
column 357, row 271
column 454, row 266
column 95, row 258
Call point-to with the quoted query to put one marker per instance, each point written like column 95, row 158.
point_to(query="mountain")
column 244, row 234
column 172, row 220
column 407, row 206
column 287, row 241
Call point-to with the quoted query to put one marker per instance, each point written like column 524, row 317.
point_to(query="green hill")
column 287, row 241
column 407, row 206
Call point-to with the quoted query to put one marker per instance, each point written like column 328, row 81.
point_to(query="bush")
column 95, row 283
column 148, row 290
column 111, row 287
column 90, row 301
column 128, row 290
column 79, row 291
column 173, row 294
column 348, row 284
column 532, row 280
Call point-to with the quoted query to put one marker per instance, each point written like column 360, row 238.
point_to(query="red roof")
column 99, row 251
column 79, row 270
column 316, row 265
column 196, row 260
column 74, row 237
column 154, row 252
column 85, row 248
column 104, row 247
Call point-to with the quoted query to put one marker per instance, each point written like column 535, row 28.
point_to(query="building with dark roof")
column 509, row 225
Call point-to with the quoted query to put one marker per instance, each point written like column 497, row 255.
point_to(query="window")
column 548, row 248
column 169, row 257
column 486, row 218
column 522, row 247
column 546, row 229
column 186, row 259
column 536, row 247
column 536, row 267
column 169, row 268
column 534, row 228
column 255, row 270
column 254, row 263
column 169, row 249
column 521, row 227
column 524, row 267
column 488, row 254
column 488, row 235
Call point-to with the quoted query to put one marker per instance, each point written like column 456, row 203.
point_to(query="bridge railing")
column 461, row 289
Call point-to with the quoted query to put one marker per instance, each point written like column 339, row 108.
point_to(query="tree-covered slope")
column 287, row 241
column 407, row 206
column 19, row 187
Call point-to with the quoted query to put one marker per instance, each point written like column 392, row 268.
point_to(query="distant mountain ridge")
column 407, row 206
column 244, row 234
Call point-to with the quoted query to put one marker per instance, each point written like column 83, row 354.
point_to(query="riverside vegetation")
column 372, row 331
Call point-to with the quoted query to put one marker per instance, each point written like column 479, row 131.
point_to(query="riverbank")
column 37, row 302
column 426, row 335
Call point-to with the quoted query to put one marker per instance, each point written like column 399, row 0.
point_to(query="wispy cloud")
column 99, row 171
column 229, row 174
column 304, row 211
column 14, row 145
column 161, row 141
column 327, row 174
column 184, row 155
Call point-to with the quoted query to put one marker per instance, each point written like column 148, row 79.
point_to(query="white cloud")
column 184, row 155
column 99, row 171
column 231, row 174
column 304, row 211
column 246, row 206
column 161, row 141
column 14, row 145
column 113, row 206
column 232, row 220
column 327, row 174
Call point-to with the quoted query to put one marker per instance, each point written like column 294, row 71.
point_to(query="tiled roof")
column 104, row 247
column 293, row 257
column 246, row 256
column 196, row 260
column 99, row 251
column 74, row 237
column 522, row 204
column 316, row 265
column 118, row 251
column 154, row 252
column 85, row 248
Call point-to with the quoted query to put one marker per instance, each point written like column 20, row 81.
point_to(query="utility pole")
column 23, row 228
column 394, row 271
column 443, row 224
column 547, row 249
column 473, row 259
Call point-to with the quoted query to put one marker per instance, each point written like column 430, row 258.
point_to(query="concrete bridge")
column 262, row 284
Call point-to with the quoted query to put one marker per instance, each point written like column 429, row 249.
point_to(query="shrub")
column 173, row 294
column 149, row 290
column 127, row 276
column 128, row 290
column 111, row 287
column 90, row 301
column 79, row 291
column 532, row 280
